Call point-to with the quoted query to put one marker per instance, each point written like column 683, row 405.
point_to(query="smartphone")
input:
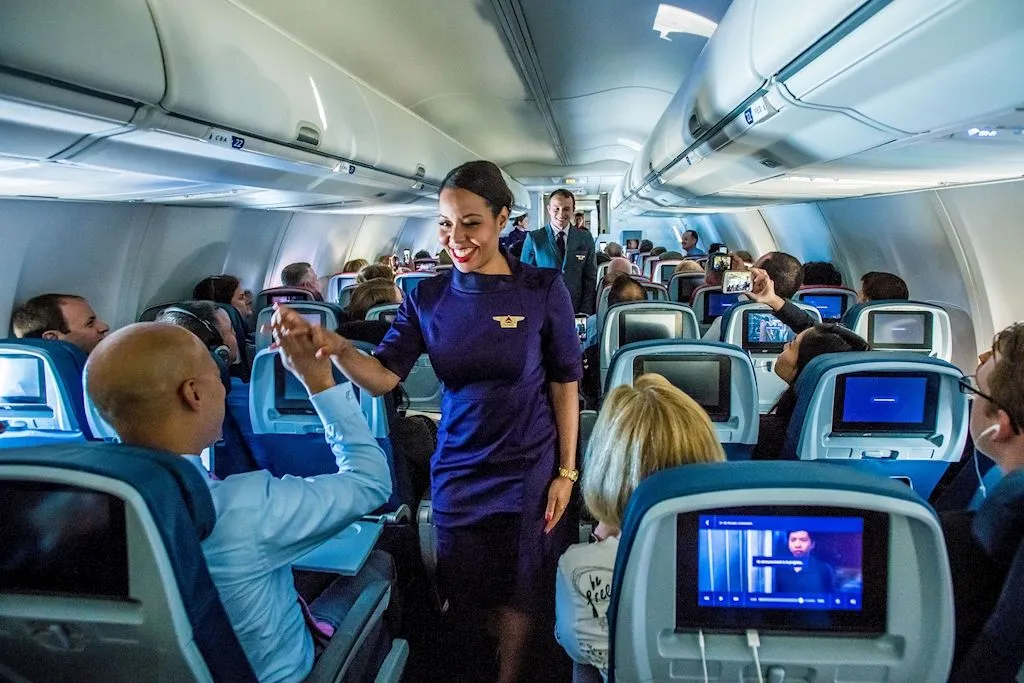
column 407, row 255
column 737, row 281
column 581, row 329
column 602, row 245
column 721, row 262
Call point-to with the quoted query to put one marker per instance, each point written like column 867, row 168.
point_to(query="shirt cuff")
column 337, row 403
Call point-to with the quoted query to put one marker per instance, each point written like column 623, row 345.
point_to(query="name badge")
column 580, row 257
column 508, row 322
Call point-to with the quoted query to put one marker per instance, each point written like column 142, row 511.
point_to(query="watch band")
column 571, row 475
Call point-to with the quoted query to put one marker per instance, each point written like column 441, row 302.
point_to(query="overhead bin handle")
column 308, row 134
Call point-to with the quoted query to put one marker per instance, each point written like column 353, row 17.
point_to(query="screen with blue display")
column 830, row 306
column 717, row 303
column 784, row 568
column 885, row 402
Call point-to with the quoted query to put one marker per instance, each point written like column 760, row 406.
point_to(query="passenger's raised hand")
column 328, row 342
column 763, row 290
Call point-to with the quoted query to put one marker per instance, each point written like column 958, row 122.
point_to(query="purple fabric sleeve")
column 403, row 343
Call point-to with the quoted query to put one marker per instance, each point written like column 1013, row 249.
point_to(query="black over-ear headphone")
column 216, row 347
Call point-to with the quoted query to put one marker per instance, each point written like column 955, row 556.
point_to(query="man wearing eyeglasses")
column 978, row 566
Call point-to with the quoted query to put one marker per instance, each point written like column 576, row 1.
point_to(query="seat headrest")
column 65, row 361
column 771, row 333
column 148, row 471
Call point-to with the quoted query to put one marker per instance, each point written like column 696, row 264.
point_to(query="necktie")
column 561, row 246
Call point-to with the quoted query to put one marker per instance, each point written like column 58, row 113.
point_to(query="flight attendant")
column 499, row 334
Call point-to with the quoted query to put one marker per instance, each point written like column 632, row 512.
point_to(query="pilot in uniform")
column 495, row 342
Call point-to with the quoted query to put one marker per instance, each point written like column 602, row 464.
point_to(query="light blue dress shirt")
column 264, row 524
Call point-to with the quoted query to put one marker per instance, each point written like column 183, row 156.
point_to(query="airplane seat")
column 345, row 295
column 42, row 399
column 874, row 602
column 754, row 328
column 831, row 302
column 288, row 437
column 385, row 312
column 336, row 283
column 682, row 286
column 914, row 326
column 653, row 292
column 326, row 315
column 407, row 282
column 139, row 582
column 720, row 377
column 636, row 321
column 150, row 314
column 649, row 266
column 900, row 415
column 124, row 502
column 282, row 295
column 994, row 653
column 602, row 270
column 664, row 270
column 710, row 303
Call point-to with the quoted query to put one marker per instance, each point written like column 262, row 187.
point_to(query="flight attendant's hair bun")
column 482, row 178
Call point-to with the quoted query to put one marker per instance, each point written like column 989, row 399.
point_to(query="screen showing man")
column 22, row 380
column 765, row 332
column 632, row 244
column 806, row 563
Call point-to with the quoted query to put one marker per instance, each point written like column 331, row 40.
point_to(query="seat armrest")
column 367, row 610
column 403, row 515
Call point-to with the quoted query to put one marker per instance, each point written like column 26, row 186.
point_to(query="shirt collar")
column 198, row 462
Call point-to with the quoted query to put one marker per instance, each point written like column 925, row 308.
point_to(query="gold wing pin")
column 508, row 322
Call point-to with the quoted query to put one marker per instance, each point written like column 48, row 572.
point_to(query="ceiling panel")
column 607, row 73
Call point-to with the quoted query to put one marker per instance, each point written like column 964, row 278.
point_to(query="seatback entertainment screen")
column 783, row 568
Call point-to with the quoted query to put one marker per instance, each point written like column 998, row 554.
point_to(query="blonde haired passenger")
column 644, row 428
column 689, row 266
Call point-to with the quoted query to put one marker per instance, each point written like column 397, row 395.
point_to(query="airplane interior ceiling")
column 894, row 133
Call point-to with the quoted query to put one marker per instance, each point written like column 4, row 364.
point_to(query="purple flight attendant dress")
column 495, row 342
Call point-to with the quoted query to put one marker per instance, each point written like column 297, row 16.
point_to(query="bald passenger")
column 158, row 386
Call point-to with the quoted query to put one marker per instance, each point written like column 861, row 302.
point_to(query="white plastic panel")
column 919, row 65
column 782, row 29
column 234, row 69
column 105, row 45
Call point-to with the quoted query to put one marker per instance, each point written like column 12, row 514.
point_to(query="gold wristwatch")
column 571, row 475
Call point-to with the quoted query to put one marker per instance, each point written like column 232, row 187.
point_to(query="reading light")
column 672, row 19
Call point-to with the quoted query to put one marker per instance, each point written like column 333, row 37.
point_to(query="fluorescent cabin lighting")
column 672, row 19
column 632, row 144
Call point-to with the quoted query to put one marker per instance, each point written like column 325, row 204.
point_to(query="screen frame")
column 724, row 411
column 288, row 406
column 625, row 315
column 841, row 427
column 760, row 347
column 872, row 619
column 928, row 318
column 843, row 304
column 43, row 397
column 708, row 297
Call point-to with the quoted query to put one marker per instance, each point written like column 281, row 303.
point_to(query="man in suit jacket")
column 558, row 245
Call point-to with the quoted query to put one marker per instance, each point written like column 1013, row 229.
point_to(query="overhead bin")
column 852, row 77
column 109, row 46
column 200, row 101
column 228, row 66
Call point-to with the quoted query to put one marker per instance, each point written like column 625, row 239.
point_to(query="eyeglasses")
column 969, row 385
